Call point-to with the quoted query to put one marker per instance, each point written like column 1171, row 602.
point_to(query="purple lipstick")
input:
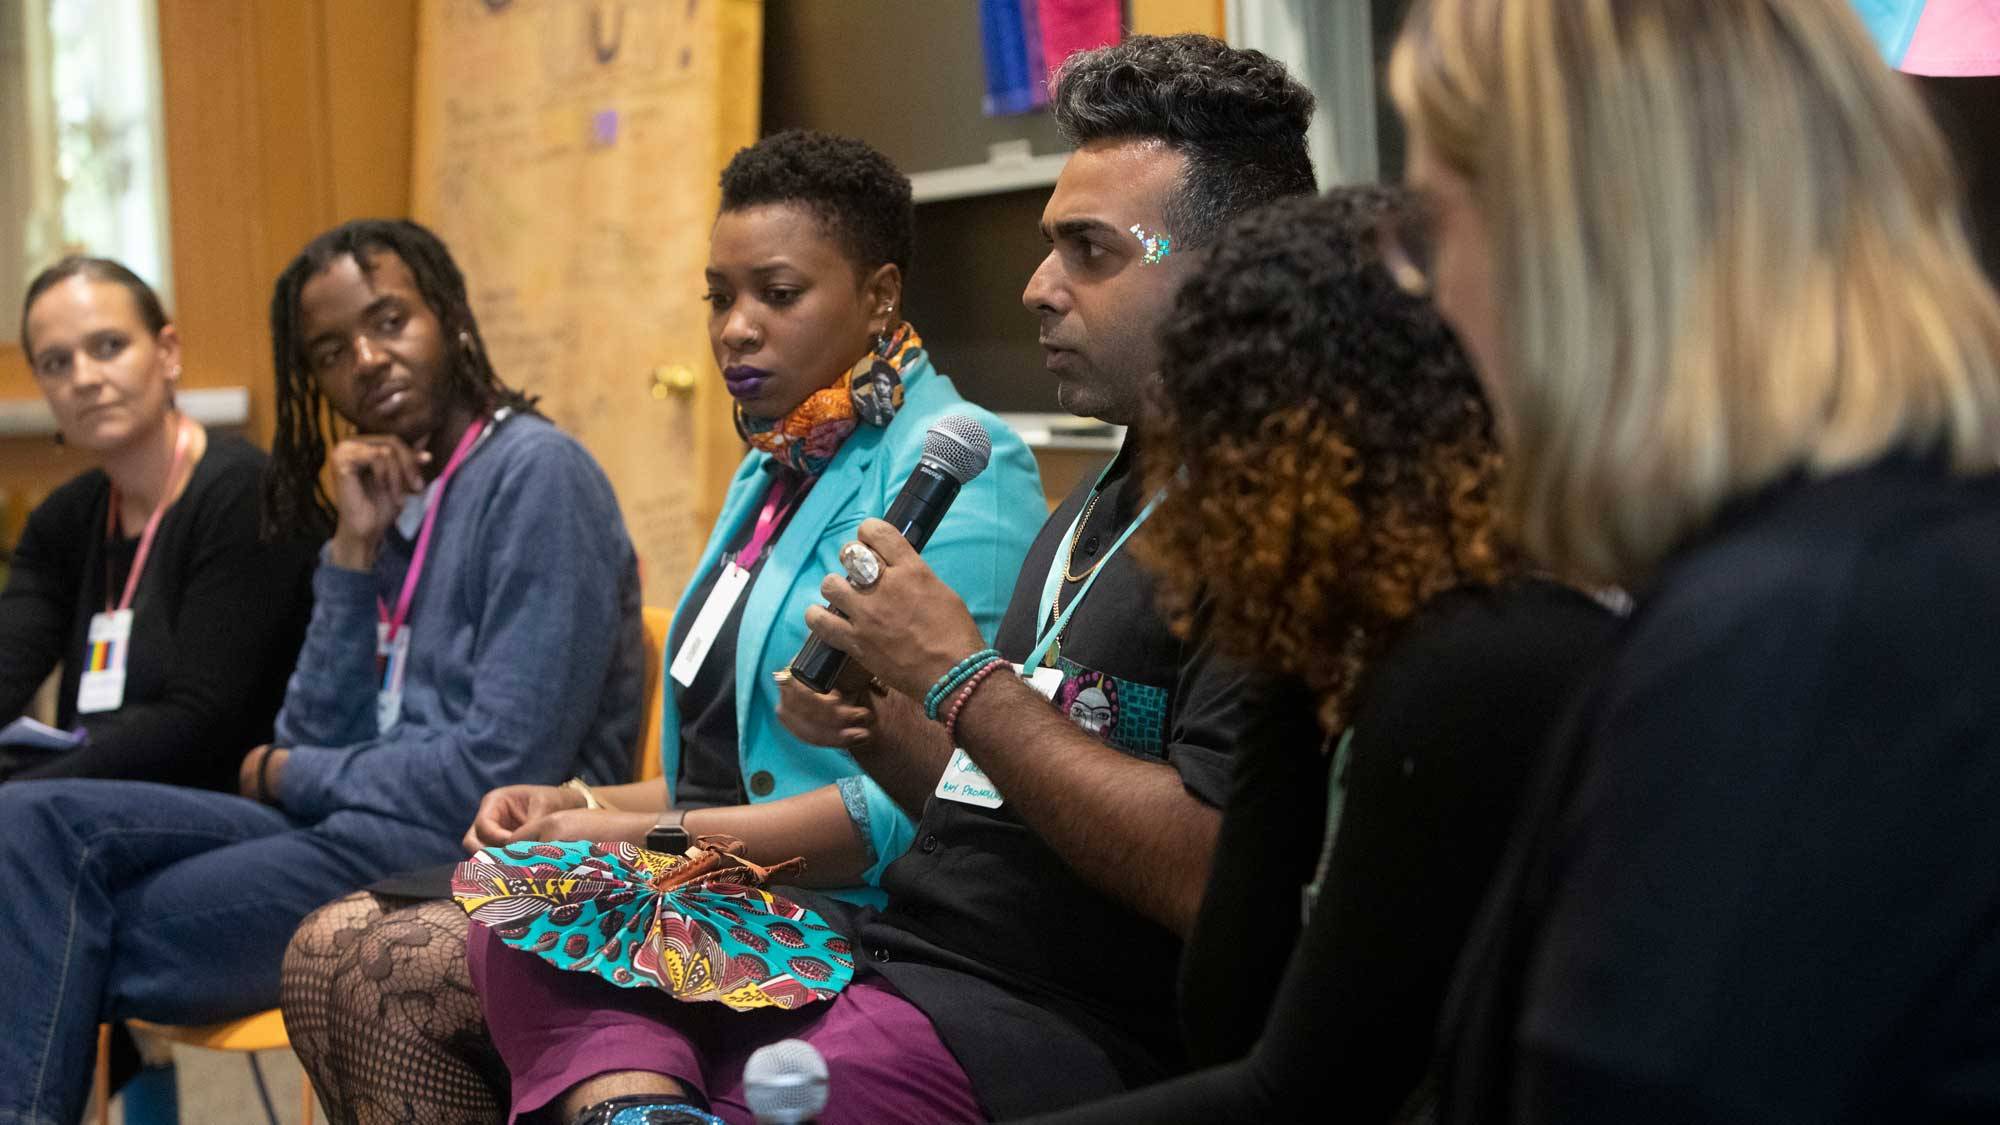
column 745, row 381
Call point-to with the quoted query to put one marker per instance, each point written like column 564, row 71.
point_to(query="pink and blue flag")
column 1942, row 38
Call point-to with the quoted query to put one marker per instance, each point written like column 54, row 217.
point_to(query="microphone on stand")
column 956, row 449
column 785, row 1083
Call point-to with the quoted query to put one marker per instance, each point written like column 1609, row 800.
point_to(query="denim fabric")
column 131, row 899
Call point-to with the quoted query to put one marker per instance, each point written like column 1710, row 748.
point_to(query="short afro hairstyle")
column 858, row 195
column 1329, row 460
column 1237, row 115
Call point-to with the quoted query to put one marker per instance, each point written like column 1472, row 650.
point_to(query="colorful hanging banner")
column 1940, row 38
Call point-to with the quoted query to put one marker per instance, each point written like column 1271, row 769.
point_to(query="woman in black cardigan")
column 1711, row 260
column 148, row 564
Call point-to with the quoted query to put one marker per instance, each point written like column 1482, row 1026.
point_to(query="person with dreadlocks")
column 476, row 624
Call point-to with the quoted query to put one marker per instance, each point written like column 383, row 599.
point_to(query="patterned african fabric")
column 623, row 914
column 869, row 392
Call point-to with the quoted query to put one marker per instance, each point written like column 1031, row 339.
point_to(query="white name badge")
column 708, row 623
column 392, row 658
column 102, row 686
column 963, row 781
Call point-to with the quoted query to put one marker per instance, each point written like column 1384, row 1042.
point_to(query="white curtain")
column 1327, row 44
column 80, row 124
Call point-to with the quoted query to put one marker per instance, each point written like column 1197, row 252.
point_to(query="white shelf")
column 211, row 406
column 1066, row 431
column 1012, row 173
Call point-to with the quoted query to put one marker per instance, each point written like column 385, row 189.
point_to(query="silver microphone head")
column 785, row 1082
column 958, row 447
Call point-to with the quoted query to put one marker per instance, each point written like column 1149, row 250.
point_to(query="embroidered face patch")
column 1156, row 246
column 1091, row 702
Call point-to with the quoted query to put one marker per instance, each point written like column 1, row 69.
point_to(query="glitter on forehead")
column 1158, row 246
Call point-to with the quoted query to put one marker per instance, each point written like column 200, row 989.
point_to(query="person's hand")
column 248, row 773
column 909, row 627
column 372, row 475
column 505, row 810
column 836, row 718
column 595, row 825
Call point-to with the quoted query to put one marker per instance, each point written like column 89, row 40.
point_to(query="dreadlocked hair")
column 1329, row 461
column 295, row 496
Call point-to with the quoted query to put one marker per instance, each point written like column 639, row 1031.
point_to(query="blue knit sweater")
column 526, row 660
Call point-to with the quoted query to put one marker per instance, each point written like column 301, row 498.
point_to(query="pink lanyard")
column 152, row 526
column 776, row 504
column 416, row 570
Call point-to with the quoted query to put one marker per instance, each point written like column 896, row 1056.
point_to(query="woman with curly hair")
column 1331, row 473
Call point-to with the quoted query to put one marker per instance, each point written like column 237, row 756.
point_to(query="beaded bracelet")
column 953, row 680
column 965, row 693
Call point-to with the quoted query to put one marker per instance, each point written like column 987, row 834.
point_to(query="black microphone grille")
column 959, row 446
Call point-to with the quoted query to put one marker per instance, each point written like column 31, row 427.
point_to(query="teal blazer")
column 978, row 550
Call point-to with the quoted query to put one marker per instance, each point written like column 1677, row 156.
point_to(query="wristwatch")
column 667, row 835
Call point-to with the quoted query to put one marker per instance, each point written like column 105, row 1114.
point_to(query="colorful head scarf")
column 869, row 392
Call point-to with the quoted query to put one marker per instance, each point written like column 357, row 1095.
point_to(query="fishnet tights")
column 381, row 1010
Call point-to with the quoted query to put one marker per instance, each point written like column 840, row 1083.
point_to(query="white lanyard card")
column 102, row 686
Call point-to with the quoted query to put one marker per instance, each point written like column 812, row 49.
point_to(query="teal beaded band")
column 953, row 680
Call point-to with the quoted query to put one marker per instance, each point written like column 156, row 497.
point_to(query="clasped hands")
column 550, row 812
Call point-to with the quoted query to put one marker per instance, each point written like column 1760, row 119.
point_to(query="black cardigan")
column 1338, row 1022
column 218, row 619
column 1761, row 880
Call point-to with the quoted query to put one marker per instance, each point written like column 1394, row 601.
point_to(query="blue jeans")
column 130, row 899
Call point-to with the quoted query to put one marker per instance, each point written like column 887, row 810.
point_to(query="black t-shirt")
column 218, row 618
column 1045, row 988
column 1448, row 727
column 711, row 773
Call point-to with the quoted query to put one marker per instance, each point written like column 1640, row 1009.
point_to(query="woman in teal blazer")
column 977, row 550
column 834, row 393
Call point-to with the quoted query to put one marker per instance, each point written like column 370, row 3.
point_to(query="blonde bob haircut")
column 1728, row 245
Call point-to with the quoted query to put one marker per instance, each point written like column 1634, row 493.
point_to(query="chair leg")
column 100, row 1079
column 307, row 1102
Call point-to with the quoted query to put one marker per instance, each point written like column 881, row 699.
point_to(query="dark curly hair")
column 295, row 498
column 1326, row 450
column 1236, row 114
column 858, row 195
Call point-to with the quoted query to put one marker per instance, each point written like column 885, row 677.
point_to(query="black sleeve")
column 38, row 606
column 1213, row 696
column 1273, row 825
column 239, row 612
column 1445, row 735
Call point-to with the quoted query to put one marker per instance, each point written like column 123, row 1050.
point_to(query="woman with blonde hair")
column 1710, row 261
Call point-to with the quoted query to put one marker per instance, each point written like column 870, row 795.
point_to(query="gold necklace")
column 1069, row 555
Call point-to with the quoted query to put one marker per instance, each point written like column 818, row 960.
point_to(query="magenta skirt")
column 556, row 1029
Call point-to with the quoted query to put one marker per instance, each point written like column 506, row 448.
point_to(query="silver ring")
column 864, row 566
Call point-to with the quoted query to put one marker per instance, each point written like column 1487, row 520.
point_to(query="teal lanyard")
column 1336, row 802
column 1050, row 632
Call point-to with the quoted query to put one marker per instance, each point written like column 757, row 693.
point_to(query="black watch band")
column 667, row 835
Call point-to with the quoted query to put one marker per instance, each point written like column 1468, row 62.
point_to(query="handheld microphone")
column 785, row 1083
column 956, row 449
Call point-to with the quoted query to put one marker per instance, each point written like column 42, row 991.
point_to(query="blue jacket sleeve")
column 556, row 563
column 977, row 551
